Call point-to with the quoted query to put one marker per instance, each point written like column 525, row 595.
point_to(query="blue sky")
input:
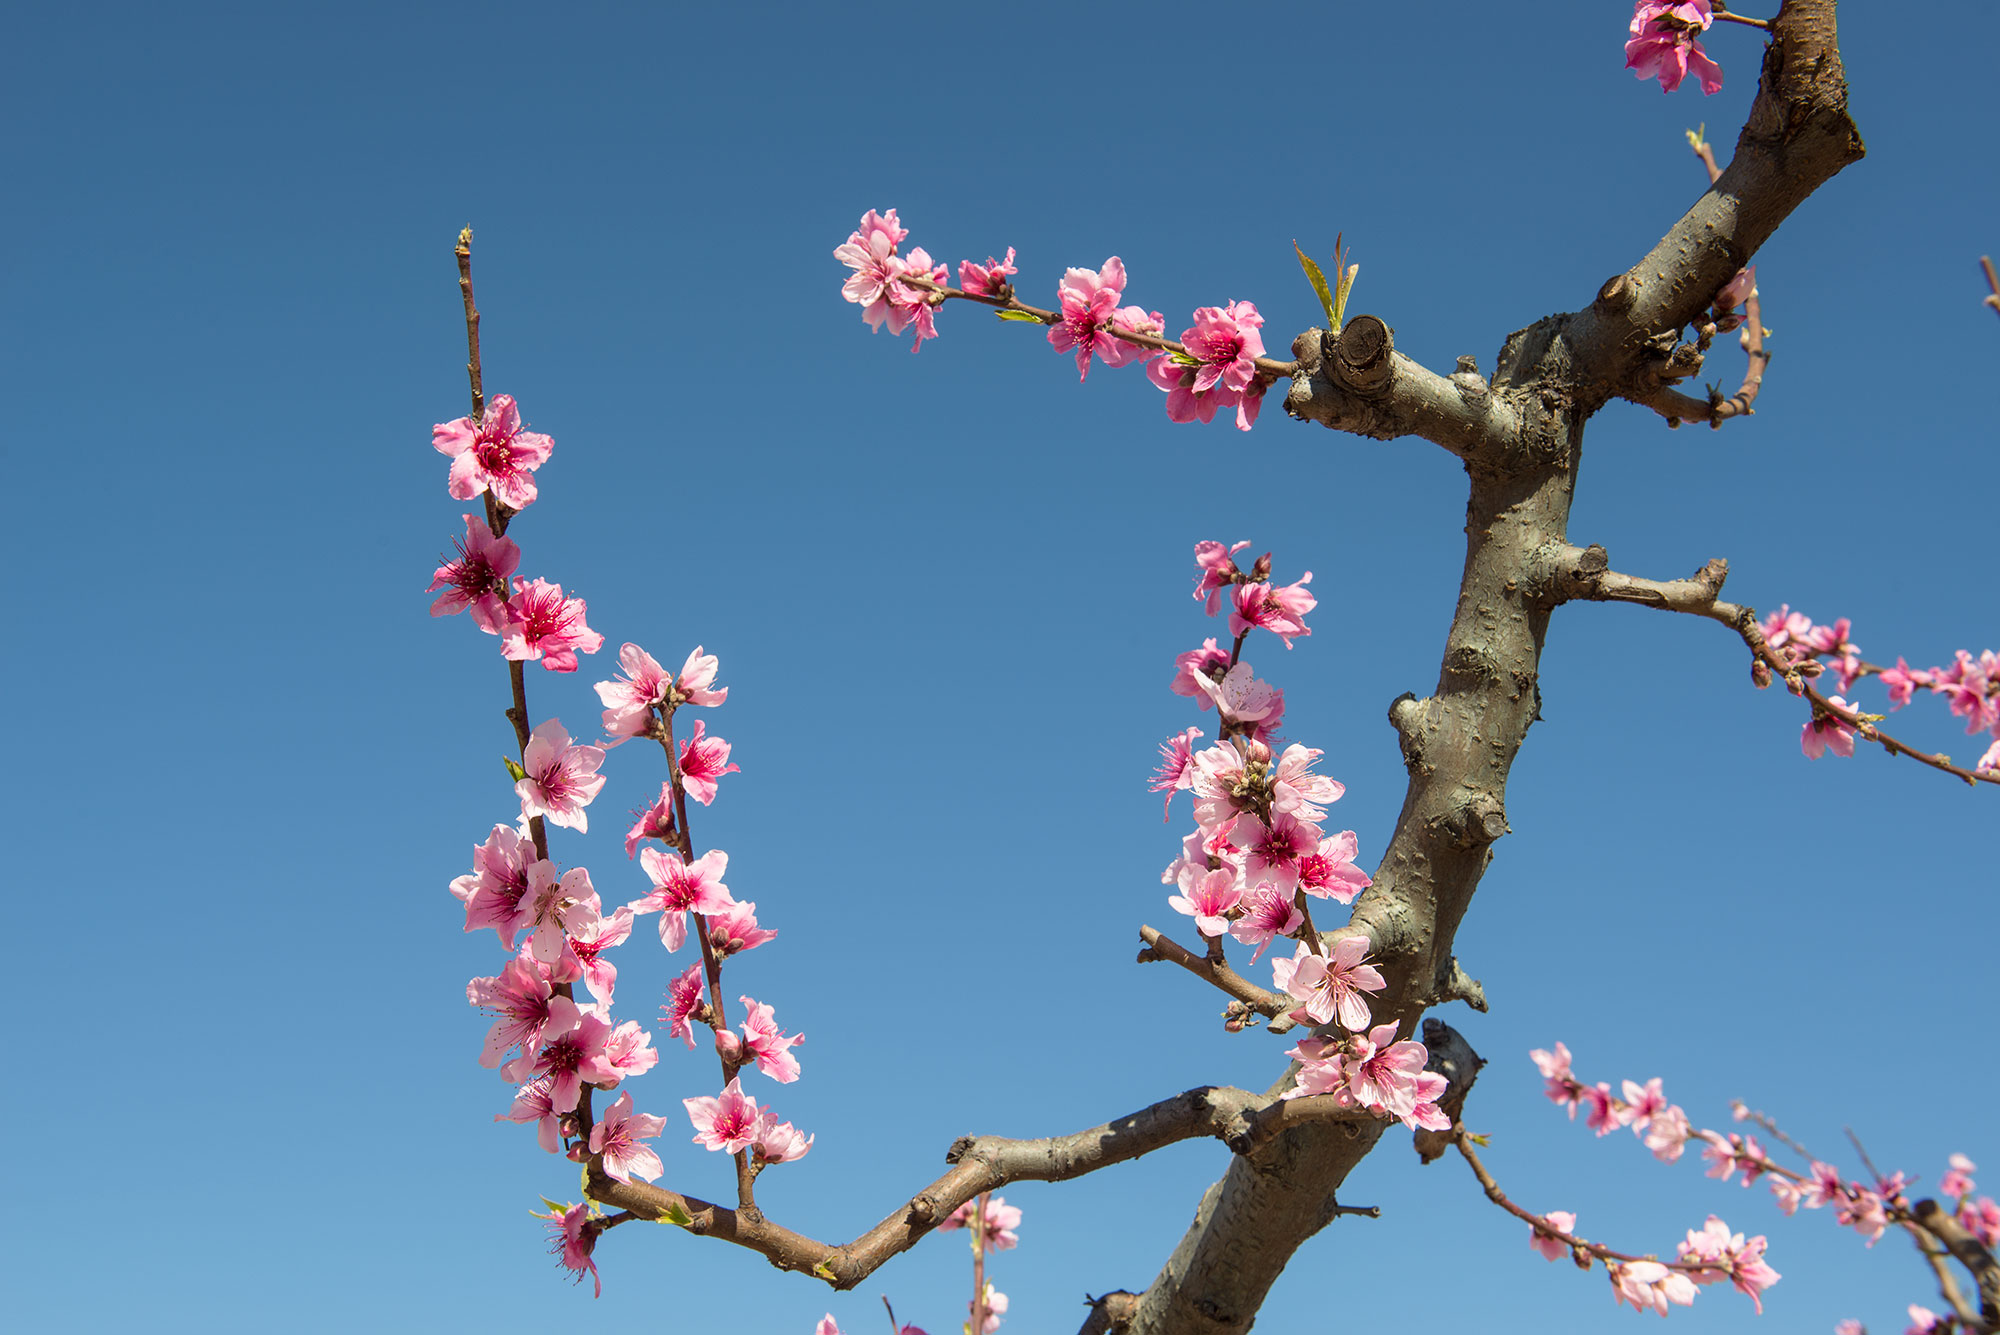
column 946, row 591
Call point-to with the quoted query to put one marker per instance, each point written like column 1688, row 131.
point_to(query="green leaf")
column 1019, row 315
column 824, row 1271
column 1318, row 280
column 552, row 1205
column 1184, row 359
column 514, row 770
column 676, row 1215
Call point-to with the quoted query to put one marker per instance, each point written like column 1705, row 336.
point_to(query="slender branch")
column 464, row 253
column 1992, row 281
column 1274, row 1006
column 978, row 1324
column 1268, row 367
column 1240, row 1119
column 1745, row 19
column 1541, row 1225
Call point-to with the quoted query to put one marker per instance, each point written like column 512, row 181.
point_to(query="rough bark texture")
column 1521, row 437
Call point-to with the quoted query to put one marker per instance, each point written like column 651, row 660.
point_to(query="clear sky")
column 946, row 591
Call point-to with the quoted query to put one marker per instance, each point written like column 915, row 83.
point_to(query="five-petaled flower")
column 1663, row 44
column 493, row 454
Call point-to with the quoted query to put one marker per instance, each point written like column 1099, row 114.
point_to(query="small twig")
column 464, row 252
column 1993, row 281
column 1743, row 19
column 1273, row 1006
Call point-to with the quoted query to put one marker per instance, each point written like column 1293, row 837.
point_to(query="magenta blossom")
column 541, row 623
column 561, row 779
column 876, row 284
column 1225, row 342
column 1268, row 913
column 1218, row 571
column 572, row 1237
column 493, row 455
column 704, row 760
column 988, row 279
column 655, row 822
column 478, row 577
column 1280, row 610
column 492, row 893
column 1663, row 47
column 1209, row 900
column 771, row 1049
column 1176, row 769
column 1090, row 312
column 727, row 1123
column 617, row 1138
column 1184, row 404
column 1328, row 872
column 683, row 1001
column 680, row 887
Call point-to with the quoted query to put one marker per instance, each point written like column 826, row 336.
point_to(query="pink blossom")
column 571, row 1060
column 526, row 1008
column 1423, row 1112
column 1966, row 686
column 1605, row 1115
column 1821, row 1186
column 735, row 929
column 1991, row 760
column 1330, row 985
column 572, row 1237
column 1647, row 1284
column 1273, row 851
column 494, row 454
column 1268, row 913
column 1922, row 1321
column 1740, row 288
column 629, row 1051
column 1241, row 698
column 1218, row 571
column 1902, row 681
column 997, row 1225
column 1849, row 1327
column 680, row 887
column 1643, row 1101
column 1296, row 789
column 1383, row 1073
column 1278, row 609
column 1328, row 872
column 589, row 935
column 704, row 760
column 1957, row 1179
column 655, row 822
column 492, row 892
column 779, row 1142
column 1727, row 1155
column 876, row 284
column 988, row 279
column 541, row 623
column 553, row 906
column 629, row 700
column 1089, row 303
column 728, row 1123
column 1722, row 1255
column 1552, row 1247
column 1861, row 1210
column 1560, row 1086
column 827, row 1326
column 1981, row 1218
column 683, row 1000
column 1209, row 662
column 1176, row 769
column 1209, row 901
column 1184, row 404
column 1667, row 1136
column 531, row 1104
column 617, row 1138
column 1225, row 342
column 1663, row 45
column 995, row 1303
column 478, row 577
column 694, row 683
column 1827, row 730
column 1320, row 1071
column 771, row 1049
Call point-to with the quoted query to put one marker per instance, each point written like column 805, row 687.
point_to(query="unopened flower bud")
column 577, row 1153
column 1262, row 570
column 1233, row 1026
column 1760, row 674
column 728, row 1046
column 1737, row 290
column 1812, row 667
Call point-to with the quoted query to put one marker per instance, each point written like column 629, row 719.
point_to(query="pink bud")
column 1737, row 290
column 728, row 1046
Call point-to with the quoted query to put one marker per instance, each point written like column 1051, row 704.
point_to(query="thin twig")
column 1274, row 1006
column 1993, row 281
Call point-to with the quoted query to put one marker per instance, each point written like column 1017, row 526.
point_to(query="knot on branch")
column 1111, row 1314
column 1453, row 1058
column 1476, row 822
column 1406, row 716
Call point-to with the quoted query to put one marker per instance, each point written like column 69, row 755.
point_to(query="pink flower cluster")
column 1213, row 370
column 1663, row 44
column 1661, row 1125
column 1375, row 1072
column 554, row 1047
column 997, row 1224
column 1970, row 686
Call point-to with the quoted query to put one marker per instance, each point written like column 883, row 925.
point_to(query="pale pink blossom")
column 827, row 1326
column 1321, row 1072
column 629, row 700
column 1328, row 872
column 1663, row 45
column 588, row 936
column 995, row 1303
column 477, row 578
column 531, row 1104
column 1991, row 760
column 1822, row 1186
column 525, row 1008
column 1604, row 1113
column 1272, row 851
column 1824, row 731
column 492, row 892
column 1728, row 1155
column 1552, row 1247
column 735, row 929
column 1330, row 985
column 1089, row 311
column 1981, row 1218
column 1176, row 769
column 628, row 1051
column 1901, row 681
column 1560, row 1086
column 561, row 778
column 493, row 454
column 1209, row 901
column 1648, row 1284
column 727, row 1123
column 1210, row 662
column 1642, row 1101
column 1268, row 913
column 1862, row 1210
column 572, row 1237
column 617, row 1138
column 553, row 907
column 1383, row 1073
column 1241, row 698
column 1723, row 1255
column 1849, row 1327
column 1957, row 1180
column 771, row 1049
column 779, row 1142
column 1922, row 1321
column 680, row 888
column 1218, row 572
column 1296, row 789
column 997, row 1225
column 683, row 1000
column 988, row 279
column 542, row 624
column 1668, row 1133
column 1423, row 1112
column 704, row 760
column 655, row 822
column 694, row 684
column 876, row 284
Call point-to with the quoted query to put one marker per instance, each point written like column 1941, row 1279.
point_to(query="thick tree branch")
column 1970, row 1252
column 1243, row 1121
column 1358, row 382
column 1797, row 137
